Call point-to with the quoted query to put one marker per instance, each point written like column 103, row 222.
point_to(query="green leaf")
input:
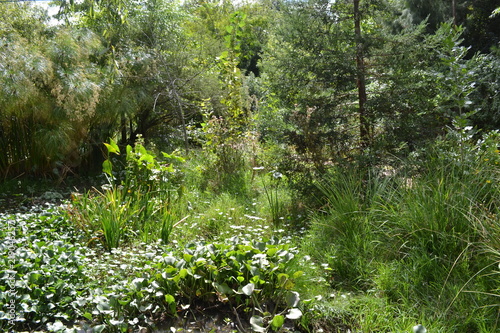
column 257, row 323
column 183, row 273
column 112, row 147
column 129, row 151
column 187, row 257
column 107, row 167
column 272, row 251
column 292, row 298
column 169, row 299
column 223, row 288
column 277, row 322
column 171, row 303
column 147, row 157
column 98, row 328
column 282, row 279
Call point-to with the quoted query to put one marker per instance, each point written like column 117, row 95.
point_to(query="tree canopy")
column 328, row 79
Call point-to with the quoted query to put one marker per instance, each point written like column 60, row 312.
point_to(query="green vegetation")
column 260, row 166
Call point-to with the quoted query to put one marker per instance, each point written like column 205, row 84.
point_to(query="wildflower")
column 488, row 181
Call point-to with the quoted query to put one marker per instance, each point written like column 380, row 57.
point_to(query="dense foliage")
column 305, row 165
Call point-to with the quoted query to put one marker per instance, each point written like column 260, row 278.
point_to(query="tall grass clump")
column 425, row 241
column 342, row 233
column 275, row 196
column 437, row 231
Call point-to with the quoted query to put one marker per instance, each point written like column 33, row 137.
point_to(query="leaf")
column 261, row 246
column 183, row 273
column 169, row 299
column 107, row 167
column 277, row 322
column 294, row 314
column 115, row 322
column 98, row 328
column 112, row 147
column 272, row 251
column 129, row 151
column 57, row 326
column 282, row 279
column 292, row 299
column 257, row 323
column 147, row 157
column 248, row 289
column 171, row 303
column 223, row 288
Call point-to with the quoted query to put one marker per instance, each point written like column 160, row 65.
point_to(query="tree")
column 364, row 121
column 351, row 81
column 481, row 30
column 49, row 91
column 152, row 81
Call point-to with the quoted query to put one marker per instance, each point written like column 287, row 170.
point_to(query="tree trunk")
column 454, row 11
column 364, row 122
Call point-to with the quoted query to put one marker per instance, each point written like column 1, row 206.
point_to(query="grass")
column 418, row 249
column 383, row 254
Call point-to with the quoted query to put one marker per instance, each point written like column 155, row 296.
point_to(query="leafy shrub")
column 226, row 166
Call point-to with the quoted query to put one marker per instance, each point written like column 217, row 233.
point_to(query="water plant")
column 137, row 197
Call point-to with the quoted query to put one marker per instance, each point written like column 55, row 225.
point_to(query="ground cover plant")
column 59, row 280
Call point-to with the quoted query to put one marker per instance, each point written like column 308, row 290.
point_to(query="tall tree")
column 364, row 121
column 49, row 91
column 153, row 81
column 348, row 79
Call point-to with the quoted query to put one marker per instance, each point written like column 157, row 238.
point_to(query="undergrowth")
column 156, row 245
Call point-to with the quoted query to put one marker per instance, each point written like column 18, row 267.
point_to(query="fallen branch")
column 182, row 220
